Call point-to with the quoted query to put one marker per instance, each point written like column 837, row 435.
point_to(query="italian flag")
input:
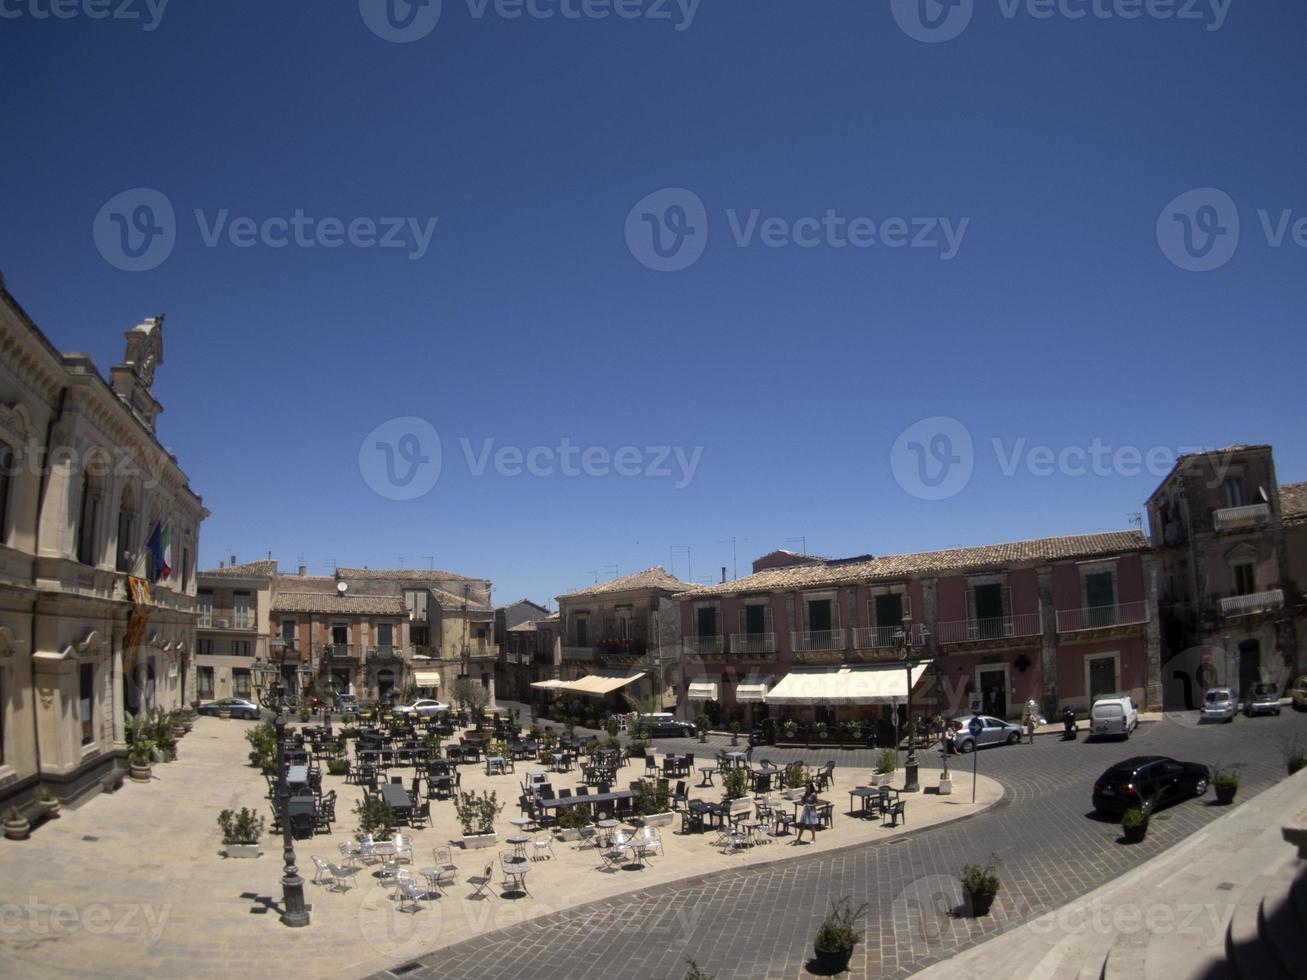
column 161, row 550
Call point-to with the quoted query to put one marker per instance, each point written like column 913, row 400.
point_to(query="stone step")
column 1094, row 967
column 1126, row 962
column 1280, row 927
column 1247, row 954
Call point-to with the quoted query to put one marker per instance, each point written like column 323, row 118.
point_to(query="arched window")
column 127, row 531
column 87, row 521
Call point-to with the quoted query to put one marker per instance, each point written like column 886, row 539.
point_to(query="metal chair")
column 481, row 882
column 321, row 871
column 408, row 891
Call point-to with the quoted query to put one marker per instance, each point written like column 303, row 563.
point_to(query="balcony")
column 208, row 621
column 704, row 646
column 998, row 628
column 336, row 651
column 1233, row 518
column 578, row 653
column 384, row 655
column 753, row 644
column 882, row 637
column 817, row 641
column 1101, row 617
column 1255, row 602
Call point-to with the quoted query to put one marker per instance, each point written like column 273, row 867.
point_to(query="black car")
column 1132, row 782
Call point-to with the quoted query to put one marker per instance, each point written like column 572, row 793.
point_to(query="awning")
column 753, row 692
column 702, row 691
column 599, row 685
column 848, row 685
column 552, row 684
column 426, row 678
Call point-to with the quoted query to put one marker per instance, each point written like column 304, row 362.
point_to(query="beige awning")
column 753, row 692
column 848, row 685
column 599, row 685
column 552, row 684
column 426, row 678
column 702, row 691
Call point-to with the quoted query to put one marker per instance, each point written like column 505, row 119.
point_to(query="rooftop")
column 406, row 574
column 325, row 602
column 1293, row 502
column 656, row 578
column 266, row 568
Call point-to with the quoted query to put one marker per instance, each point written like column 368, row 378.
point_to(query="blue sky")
column 529, row 316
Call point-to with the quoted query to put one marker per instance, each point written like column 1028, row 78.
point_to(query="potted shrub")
column 653, row 802
column 735, row 733
column 1226, row 784
column 796, row 778
column 790, row 728
column 736, row 781
column 139, row 756
column 1134, row 825
column 376, row 818
column 703, row 723
column 16, row 825
column 241, row 832
column 224, row 711
column 49, row 802
column 887, row 763
column 476, row 815
column 980, row 884
column 837, row 935
column 852, row 734
column 570, row 821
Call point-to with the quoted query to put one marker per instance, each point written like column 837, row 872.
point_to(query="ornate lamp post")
column 272, row 693
column 903, row 642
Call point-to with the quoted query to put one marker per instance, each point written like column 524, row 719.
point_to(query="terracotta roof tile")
column 931, row 563
column 650, row 578
column 1293, row 501
column 404, row 574
column 344, row 605
column 250, row 569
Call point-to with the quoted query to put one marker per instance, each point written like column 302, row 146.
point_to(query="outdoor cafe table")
column 699, row 811
column 496, row 764
column 561, row 801
column 761, row 779
column 297, row 777
column 869, row 797
column 396, row 796
column 737, row 758
column 707, row 773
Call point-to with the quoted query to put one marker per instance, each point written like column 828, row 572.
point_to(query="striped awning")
column 599, row 685
column 702, row 691
column 426, row 678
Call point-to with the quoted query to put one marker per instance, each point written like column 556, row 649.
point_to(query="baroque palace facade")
column 99, row 531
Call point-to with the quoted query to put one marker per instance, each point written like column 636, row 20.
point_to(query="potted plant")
column 16, row 825
column 887, row 763
column 703, row 723
column 304, row 714
column 736, row 781
column 139, row 756
column 476, row 815
column 1295, row 756
column 735, row 733
column 376, row 818
column 570, row 821
column 837, row 935
column 980, row 884
column 796, row 778
column 48, row 801
column 1226, row 783
column 791, row 729
column 224, row 711
column 1134, row 825
column 653, row 802
column 241, row 832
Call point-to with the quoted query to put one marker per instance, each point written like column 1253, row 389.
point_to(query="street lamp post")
column 903, row 640
column 272, row 694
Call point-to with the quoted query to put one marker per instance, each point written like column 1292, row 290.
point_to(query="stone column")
column 1152, row 638
column 1048, row 640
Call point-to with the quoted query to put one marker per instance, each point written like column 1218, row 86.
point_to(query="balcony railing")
column 335, row 649
column 1099, row 617
column 1255, row 602
column 704, row 645
column 224, row 622
column 384, row 653
column 753, row 643
column 817, row 640
column 1251, row 515
column 883, row 637
column 997, row 628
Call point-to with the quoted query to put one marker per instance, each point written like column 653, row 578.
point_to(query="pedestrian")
column 1030, row 729
column 808, row 816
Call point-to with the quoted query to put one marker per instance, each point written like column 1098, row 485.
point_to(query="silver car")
column 1218, row 705
column 1264, row 698
column 996, row 731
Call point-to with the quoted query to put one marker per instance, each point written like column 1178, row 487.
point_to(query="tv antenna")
column 672, row 551
column 803, row 543
column 735, row 571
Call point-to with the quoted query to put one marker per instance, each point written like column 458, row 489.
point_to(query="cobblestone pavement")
column 759, row 923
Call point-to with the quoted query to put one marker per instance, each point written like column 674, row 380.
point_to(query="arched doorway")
column 385, row 685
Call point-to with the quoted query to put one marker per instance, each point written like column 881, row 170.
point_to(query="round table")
column 386, row 851
column 433, row 880
column 606, row 828
column 519, row 842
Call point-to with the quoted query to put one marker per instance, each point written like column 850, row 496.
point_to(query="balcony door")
column 819, row 615
column 582, row 633
column 340, row 639
column 706, row 622
column 1100, row 598
column 889, row 610
column 385, row 637
column 755, row 620
column 988, row 601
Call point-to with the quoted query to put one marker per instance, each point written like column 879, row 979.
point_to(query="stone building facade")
column 91, row 626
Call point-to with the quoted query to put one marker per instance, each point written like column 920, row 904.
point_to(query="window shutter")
column 907, row 605
column 766, row 618
column 742, row 623
column 871, row 612
column 1007, row 602
column 971, row 603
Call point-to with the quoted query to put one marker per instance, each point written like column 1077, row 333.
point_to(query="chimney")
column 221, row 563
column 303, row 570
column 233, row 559
column 723, row 573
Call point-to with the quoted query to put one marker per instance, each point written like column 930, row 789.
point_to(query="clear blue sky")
column 1059, row 320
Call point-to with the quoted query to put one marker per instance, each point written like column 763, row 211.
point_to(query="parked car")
column 239, row 708
column 1132, row 781
column 1114, row 715
column 958, row 737
column 1263, row 699
column 421, row 708
column 1218, row 705
column 664, row 724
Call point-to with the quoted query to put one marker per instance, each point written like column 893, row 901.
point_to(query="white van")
column 1112, row 716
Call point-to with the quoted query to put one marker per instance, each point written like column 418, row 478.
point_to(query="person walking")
column 1030, row 728
column 808, row 815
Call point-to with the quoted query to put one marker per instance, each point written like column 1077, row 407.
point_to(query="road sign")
column 975, row 726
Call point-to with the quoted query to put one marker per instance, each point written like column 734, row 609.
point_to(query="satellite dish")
column 342, row 587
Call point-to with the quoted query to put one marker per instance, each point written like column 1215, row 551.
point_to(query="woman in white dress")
column 808, row 815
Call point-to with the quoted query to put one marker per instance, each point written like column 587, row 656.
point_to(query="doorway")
column 819, row 615
column 992, row 682
column 1250, row 665
column 1101, row 676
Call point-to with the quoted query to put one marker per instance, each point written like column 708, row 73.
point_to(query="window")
column 340, row 635
column 240, row 648
column 288, row 628
column 204, row 647
column 416, row 601
column 7, row 470
column 241, row 610
column 485, row 681
column 889, row 609
column 126, row 557
column 385, row 635
column 1100, row 598
column 204, row 682
column 240, row 682
column 186, row 568
column 582, row 632
column 86, row 683
column 819, row 615
column 1245, row 578
column 706, row 618
column 419, row 635
column 1232, row 490
column 86, row 522
column 756, row 619
column 204, row 608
